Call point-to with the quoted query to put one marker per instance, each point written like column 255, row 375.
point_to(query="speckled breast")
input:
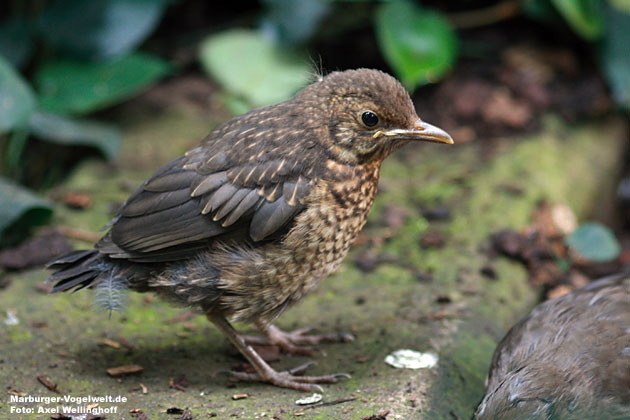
column 280, row 274
column 336, row 213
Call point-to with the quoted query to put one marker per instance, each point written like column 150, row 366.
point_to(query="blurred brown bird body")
column 568, row 359
column 252, row 219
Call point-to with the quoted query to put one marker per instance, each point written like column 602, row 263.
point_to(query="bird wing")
column 232, row 186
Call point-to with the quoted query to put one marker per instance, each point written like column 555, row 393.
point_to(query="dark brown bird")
column 251, row 220
column 568, row 359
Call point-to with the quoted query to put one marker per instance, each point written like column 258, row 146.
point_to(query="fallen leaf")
column 110, row 343
column 124, row 370
column 77, row 200
column 44, row 380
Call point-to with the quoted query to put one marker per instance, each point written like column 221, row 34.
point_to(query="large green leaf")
column 74, row 87
column 418, row 43
column 20, row 209
column 585, row 16
column 16, row 98
column 615, row 56
column 595, row 242
column 99, row 29
column 66, row 131
column 15, row 41
column 247, row 64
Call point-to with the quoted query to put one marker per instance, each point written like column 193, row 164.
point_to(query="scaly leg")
column 266, row 373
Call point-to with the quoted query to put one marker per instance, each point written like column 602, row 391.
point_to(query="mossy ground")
column 389, row 308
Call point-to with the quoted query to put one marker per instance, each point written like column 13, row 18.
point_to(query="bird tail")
column 80, row 269
column 75, row 270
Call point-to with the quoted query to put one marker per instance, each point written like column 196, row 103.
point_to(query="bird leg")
column 294, row 342
column 264, row 372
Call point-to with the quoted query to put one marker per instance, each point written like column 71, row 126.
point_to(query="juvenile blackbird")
column 568, row 359
column 245, row 224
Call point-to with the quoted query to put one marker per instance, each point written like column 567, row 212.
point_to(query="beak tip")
column 431, row 133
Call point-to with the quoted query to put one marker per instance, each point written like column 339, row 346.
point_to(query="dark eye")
column 369, row 118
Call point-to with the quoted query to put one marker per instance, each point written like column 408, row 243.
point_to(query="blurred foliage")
column 20, row 209
column 614, row 54
column 72, row 87
column 418, row 43
column 81, row 56
column 17, row 101
column 291, row 22
column 99, row 29
column 61, row 59
column 253, row 68
column 584, row 16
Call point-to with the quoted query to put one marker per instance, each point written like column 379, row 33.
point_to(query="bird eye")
column 369, row 118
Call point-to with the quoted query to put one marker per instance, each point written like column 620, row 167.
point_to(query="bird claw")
column 298, row 341
column 291, row 379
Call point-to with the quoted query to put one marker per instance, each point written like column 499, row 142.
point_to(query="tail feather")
column 70, row 257
column 78, row 283
column 78, row 269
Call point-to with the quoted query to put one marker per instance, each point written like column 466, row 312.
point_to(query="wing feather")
column 150, row 202
column 231, row 204
column 209, row 183
column 247, row 205
column 270, row 217
column 212, row 202
column 233, row 186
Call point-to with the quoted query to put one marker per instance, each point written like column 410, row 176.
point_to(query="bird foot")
column 290, row 378
column 264, row 372
column 296, row 342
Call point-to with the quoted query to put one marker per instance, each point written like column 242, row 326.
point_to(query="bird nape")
column 245, row 224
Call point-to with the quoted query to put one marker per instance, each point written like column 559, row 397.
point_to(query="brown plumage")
column 568, row 359
column 252, row 219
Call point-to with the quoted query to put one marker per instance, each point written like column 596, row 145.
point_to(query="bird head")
column 369, row 115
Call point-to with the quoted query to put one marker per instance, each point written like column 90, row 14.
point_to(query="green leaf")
column 62, row 130
column 585, row 16
column 20, row 209
column 247, row 64
column 16, row 98
column 595, row 242
column 417, row 43
column 99, row 29
column 614, row 57
column 15, row 42
column 293, row 22
column 73, row 87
